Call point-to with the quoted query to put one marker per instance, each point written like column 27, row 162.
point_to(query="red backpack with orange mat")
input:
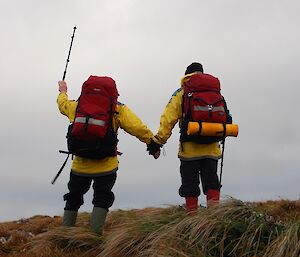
column 203, row 102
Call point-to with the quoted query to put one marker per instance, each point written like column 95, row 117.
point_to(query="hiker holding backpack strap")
column 92, row 138
column 199, row 100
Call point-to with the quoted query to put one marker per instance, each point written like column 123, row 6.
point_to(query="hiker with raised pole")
column 92, row 138
column 200, row 109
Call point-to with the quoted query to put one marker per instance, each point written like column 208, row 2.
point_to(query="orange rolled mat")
column 212, row 129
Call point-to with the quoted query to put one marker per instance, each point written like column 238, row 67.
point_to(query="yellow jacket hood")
column 186, row 78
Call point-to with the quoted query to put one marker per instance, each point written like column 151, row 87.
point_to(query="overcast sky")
column 251, row 46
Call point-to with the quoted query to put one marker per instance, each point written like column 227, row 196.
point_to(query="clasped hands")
column 154, row 149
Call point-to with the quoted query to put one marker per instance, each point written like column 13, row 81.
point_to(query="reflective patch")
column 90, row 121
column 209, row 108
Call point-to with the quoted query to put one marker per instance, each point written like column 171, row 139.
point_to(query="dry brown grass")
column 234, row 228
column 16, row 234
column 283, row 209
column 287, row 244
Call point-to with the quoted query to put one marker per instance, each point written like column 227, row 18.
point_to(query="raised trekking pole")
column 64, row 76
column 68, row 60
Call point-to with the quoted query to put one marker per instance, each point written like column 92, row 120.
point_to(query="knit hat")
column 194, row 67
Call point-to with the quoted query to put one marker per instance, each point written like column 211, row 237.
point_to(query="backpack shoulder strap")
column 228, row 116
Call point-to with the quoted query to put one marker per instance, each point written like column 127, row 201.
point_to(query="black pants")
column 79, row 185
column 190, row 181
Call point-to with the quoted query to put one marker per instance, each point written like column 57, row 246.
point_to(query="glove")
column 154, row 149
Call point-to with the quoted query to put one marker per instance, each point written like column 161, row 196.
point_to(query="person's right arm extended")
column 66, row 107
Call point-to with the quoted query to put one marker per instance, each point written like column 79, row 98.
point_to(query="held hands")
column 157, row 154
column 154, row 149
column 62, row 86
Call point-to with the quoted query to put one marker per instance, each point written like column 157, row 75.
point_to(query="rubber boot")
column 212, row 197
column 191, row 204
column 69, row 218
column 98, row 219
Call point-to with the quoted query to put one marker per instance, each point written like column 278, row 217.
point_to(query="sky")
column 251, row 46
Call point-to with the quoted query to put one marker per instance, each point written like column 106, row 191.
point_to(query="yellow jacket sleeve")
column 169, row 118
column 66, row 107
column 132, row 124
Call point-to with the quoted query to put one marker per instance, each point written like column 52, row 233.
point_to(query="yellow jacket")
column 124, row 119
column 171, row 115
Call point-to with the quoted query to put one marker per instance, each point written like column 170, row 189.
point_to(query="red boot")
column 191, row 204
column 212, row 197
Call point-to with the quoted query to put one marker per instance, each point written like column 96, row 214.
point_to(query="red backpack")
column 91, row 134
column 203, row 102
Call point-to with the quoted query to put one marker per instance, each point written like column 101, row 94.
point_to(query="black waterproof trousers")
column 190, row 181
column 79, row 185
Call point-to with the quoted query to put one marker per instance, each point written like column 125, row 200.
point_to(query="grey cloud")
column 145, row 46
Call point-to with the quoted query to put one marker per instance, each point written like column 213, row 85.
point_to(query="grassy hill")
column 234, row 228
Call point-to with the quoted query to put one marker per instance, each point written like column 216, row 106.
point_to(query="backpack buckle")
column 210, row 107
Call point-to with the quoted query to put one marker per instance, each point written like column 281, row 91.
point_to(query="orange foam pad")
column 212, row 129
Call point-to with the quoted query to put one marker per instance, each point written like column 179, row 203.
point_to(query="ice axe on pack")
column 64, row 76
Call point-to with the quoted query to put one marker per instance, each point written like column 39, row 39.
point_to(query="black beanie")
column 194, row 67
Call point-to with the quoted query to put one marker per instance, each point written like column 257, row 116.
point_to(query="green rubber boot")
column 69, row 218
column 98, row 219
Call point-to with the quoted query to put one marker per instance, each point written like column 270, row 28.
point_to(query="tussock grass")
column 283, row 209
column 79, row 241
column 287, row 244
column 233, row 228
column 135, row 238
column 16, row 234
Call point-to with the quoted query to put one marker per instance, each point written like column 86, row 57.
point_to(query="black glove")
column 154, row 149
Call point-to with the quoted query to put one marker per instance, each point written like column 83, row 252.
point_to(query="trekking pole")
column 62, row 167
column 221, row 171
column 64, row 76
column 68, row 60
